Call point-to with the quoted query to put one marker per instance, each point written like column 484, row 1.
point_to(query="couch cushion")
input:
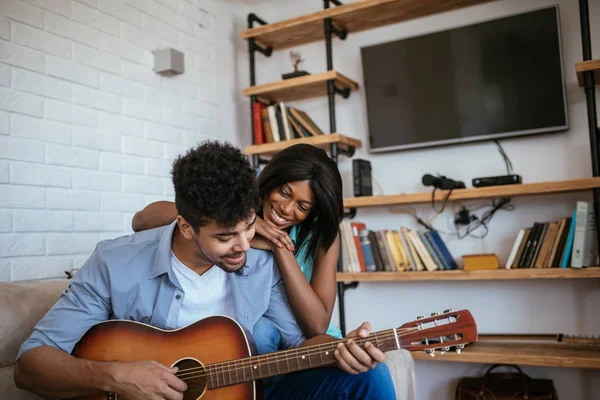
column 9, row 391
column 402, row 369
column 22, row 305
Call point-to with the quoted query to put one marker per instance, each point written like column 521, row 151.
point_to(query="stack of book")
column 393, row 250
column 569, row 242
column 279, row 122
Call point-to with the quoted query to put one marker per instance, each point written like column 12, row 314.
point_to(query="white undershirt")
column 204, row 295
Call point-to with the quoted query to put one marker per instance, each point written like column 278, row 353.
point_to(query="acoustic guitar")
column 214, row 358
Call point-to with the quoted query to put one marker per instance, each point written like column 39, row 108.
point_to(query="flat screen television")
column 496, row 79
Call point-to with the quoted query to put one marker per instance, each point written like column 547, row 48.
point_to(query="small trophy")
column 296, row 59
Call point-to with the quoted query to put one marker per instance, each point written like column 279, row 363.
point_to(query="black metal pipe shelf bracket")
column 336, row 2
column 341, row 33
column 345, row 92
column 264, row 51
column 335, row 150
column 348, row 152
column 590, row 97
column 252, row 48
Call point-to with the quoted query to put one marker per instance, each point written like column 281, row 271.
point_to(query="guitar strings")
column 248, row 361
column 384, row 335
column 281, row 356
column 192, row 376
column 245, row 364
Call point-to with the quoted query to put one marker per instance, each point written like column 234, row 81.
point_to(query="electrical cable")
column 378, row 185
column 483, row 221
column 445, row 200
column 509, row 166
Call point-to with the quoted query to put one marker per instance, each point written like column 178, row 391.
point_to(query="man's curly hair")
column 214, row 182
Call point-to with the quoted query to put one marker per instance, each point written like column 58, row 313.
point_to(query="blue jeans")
column 333, row 384
column 320, row 383
column 266, row 336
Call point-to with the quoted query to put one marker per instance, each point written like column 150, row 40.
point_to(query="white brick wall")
column 88, row 131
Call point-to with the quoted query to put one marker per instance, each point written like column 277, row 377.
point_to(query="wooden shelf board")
column 584, row 66
column 526, row 189
column 303, row 87
column 545, row 355
column 479, row 275
column 354, row 17
column 323, row 141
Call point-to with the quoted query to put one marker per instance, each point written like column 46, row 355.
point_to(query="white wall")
column 522, row 306
column 87, row 130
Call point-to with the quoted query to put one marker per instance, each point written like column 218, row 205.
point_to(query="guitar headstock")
column 439, row 331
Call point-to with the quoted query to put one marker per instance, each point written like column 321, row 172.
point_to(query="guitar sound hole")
column 192, row 372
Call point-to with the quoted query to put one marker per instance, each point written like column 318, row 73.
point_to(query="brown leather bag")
column 505, row 386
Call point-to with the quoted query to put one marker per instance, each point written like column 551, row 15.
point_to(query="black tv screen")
column 495, row 79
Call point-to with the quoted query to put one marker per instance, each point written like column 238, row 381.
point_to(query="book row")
column 393, row 250
column 569, row 242
column 278, row 122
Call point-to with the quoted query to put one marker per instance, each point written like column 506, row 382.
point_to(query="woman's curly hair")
column 214, row 182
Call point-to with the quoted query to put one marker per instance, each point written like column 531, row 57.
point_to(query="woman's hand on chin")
column 275, row 236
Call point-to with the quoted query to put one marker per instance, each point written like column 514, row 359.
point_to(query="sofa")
column 22, row 304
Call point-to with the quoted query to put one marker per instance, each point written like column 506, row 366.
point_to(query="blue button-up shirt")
column 131, row 278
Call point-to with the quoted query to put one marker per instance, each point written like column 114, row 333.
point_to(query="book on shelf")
column 584, row 238
column 257, row 120
column 356, row 227
column 480, row 261
column 278, row 122
column 568, row 242
column 389, row 250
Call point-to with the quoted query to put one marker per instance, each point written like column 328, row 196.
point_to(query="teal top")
column 306, row 263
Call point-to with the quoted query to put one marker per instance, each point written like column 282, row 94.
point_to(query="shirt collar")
column 162, row 261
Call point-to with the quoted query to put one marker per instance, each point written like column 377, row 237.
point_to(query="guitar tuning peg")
column 430, row 352
column 444, row 350
column 458, row 350
column 435, row 314
column 420, row 317
column 449, row 310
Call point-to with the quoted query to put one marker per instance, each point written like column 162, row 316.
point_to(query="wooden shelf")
column 322, row 141
column 354, row 17
column 584, row 66
column 527, row 189
column 544, row 355
column 481, row 275
column 303, row 87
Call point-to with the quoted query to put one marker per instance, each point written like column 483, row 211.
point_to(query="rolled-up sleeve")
column 84, row 303
column 280, row 312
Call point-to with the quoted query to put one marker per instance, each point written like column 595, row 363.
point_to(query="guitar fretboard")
column 283, row 362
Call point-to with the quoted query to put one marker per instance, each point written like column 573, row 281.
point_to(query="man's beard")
column 220, row 262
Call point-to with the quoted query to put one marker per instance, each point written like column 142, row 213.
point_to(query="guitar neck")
column 283, row 362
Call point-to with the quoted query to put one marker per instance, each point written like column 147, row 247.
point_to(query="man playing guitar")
column 199, row 266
